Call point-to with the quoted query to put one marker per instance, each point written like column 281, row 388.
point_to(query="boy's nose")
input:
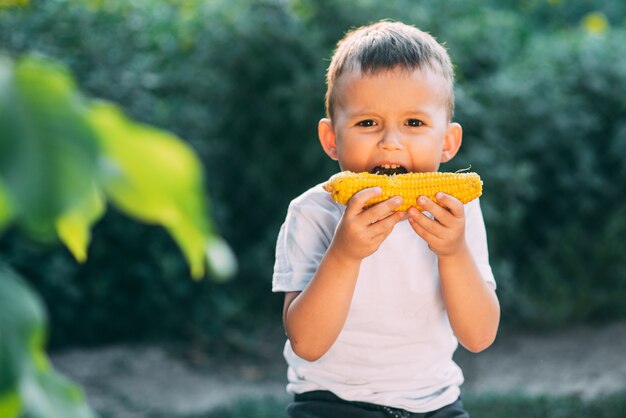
column 391, row 140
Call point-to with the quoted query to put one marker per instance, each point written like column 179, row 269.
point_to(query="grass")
column 500, row 406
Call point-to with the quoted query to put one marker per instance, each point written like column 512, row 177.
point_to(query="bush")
column 243, row 82
column 550, row 135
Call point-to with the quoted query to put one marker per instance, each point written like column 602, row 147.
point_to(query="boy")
column 376, row 301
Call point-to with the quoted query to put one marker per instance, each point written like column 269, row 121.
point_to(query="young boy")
column 376, row 300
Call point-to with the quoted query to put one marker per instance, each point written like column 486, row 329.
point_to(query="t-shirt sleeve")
column 302, row 242
column 476, row 237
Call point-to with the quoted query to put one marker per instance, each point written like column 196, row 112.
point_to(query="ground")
column 137, row 381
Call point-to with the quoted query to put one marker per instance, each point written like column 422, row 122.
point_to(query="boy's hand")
column 445, row 234
column 361, row 230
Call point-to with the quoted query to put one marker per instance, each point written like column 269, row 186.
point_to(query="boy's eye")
column 414, row 122
column 366, row 123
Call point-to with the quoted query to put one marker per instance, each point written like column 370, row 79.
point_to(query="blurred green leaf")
column 61, row 157
column 47, row 149
column 5, row 207
column 155, row 177
column 47, row 394
column 74, row 226
column 13, row 3
column 10, row 404
column 57, row 149
column 221, row 260
column 29, row 386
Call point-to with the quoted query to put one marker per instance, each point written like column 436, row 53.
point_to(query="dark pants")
column 322, row 404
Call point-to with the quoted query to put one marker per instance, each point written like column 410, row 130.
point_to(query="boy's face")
column 393, row 121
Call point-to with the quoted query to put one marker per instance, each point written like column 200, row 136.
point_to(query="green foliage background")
column 539, row 93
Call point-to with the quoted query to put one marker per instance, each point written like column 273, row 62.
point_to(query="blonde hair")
column 387, row 45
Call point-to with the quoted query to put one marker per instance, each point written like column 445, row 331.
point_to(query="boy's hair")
column 384, row 46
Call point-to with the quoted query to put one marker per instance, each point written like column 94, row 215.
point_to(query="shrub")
column 243, row 82
column 551, row 126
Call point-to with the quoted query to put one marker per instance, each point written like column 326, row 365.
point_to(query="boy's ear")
column 452, row 142
column 326, row 134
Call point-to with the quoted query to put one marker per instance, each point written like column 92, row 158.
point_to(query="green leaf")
column 155, row 177
column 27, row 380
column 21, row 325
column 10, row 404
column 6, row 212
column 50, row 395
column 221, row 259
column 74, row 226
column 47, row 149
column 7, row 4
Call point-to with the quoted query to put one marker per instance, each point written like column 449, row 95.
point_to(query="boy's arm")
column 472, row 306
column 314, row 317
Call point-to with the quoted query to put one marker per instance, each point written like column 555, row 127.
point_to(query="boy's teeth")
column 389, row 169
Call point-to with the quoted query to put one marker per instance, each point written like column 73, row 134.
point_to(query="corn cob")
column 464, row 186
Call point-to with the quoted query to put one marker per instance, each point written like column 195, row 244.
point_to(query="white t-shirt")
column 396, row 346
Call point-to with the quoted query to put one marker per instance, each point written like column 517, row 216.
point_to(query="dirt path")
column 139, row 381
column 582, row 361
column 136, row 381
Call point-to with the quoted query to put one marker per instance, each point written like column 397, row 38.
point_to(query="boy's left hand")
column 445, row 234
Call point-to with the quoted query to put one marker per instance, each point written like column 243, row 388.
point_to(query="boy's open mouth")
column 389, row 169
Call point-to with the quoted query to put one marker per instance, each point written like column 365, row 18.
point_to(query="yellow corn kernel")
column 464, row 186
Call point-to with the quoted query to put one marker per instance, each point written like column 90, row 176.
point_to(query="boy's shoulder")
column 315, row 199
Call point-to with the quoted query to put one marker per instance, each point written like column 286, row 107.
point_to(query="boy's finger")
column 454, row 205
column 383, row 209
column 417, row 227
column 442, row 215
column 433, row 208
column 356, row 204
column 385, row 225
column 426, row 224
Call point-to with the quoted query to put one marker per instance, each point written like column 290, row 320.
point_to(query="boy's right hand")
column 362, row 229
